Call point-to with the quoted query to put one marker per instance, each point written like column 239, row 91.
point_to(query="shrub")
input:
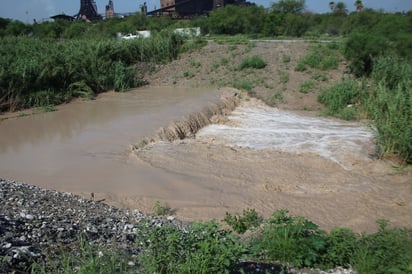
column 255, row 62
column 307, row 86
column 340, row 247
column 290, row 239
column 204, row 248
column 320, row 57
column 240, row 224
column 360, row 50
column 341, row 99
column 243, row 85
column 386, row 251
column 161, row 209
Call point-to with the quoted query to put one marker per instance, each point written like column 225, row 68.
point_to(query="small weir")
column 259, row 127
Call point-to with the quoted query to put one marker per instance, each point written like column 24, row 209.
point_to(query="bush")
column 386, row 251
column 341, row 99
column 241, row 224
column 320, row 57
column 290, row 239
column 255, row 62
column 204, row 248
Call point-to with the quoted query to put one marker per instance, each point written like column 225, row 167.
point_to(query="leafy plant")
column 276, row 98
column 255, row 62
column 307, row 86
column 203, row 248
column 290, row 239
column 386, row 251
column 161, row 209
column 244, row 84
column 247, row 220
column 341, row 99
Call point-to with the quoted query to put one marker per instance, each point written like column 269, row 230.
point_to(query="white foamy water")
column 271, row 128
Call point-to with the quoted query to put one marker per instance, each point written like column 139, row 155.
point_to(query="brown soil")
column 236, row 179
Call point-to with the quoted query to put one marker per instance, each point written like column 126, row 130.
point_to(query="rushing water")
column 260, row 127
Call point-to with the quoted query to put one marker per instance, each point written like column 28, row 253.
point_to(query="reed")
column 35, row 72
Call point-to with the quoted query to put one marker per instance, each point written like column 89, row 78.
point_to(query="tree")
column 359, row 5
column 289, row 6
column 340, row 9
column 332, row 6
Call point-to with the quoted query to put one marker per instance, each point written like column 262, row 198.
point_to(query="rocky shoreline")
column 35, row 223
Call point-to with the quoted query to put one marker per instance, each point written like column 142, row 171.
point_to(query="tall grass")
column 341, row 100
column 35, row 72
column 390, row 105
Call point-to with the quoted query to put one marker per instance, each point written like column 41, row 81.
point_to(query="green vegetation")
column 341, row 99
column 276, row 98
column 35, row 72
column 281, row 239
column 160, row 209
column 321, row 57
column 203, row 248
column 255, row 62
column 240, row 224
column 307, row 86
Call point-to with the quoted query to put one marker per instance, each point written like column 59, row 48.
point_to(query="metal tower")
column 88, row 10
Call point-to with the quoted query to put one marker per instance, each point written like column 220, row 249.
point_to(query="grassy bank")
column 283, row 241
column 40, row 72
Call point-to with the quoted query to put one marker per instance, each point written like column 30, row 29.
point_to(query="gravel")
column 36, row 223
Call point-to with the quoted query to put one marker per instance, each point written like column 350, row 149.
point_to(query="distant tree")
column 340, row 9
column 359, row 5
column 332, row 6
column 289, row 6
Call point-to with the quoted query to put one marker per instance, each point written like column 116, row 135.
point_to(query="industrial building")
column 181, row 8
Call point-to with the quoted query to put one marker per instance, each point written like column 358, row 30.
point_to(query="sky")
column 27, row 10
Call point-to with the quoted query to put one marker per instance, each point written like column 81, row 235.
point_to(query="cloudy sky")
column 27, row 10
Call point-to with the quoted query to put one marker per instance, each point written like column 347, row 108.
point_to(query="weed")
column 244, row 84
column 283, row 77
column 340, row 98
column 276, row 98
column 320, row 75
column 286, row 58
column 188, row 74
column 232, row 47
column 240, row 224
column 255, row 62
column 161, row 209
column 204, row 248
column 307, row 86
column 290, row 239
column 195, row 64
column 224, row 61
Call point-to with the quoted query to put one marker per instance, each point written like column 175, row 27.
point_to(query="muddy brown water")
column 324, row 172
column 85, row 145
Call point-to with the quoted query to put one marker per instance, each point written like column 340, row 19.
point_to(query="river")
column 258, row 157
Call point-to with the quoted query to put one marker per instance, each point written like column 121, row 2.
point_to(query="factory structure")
column 179, row 8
